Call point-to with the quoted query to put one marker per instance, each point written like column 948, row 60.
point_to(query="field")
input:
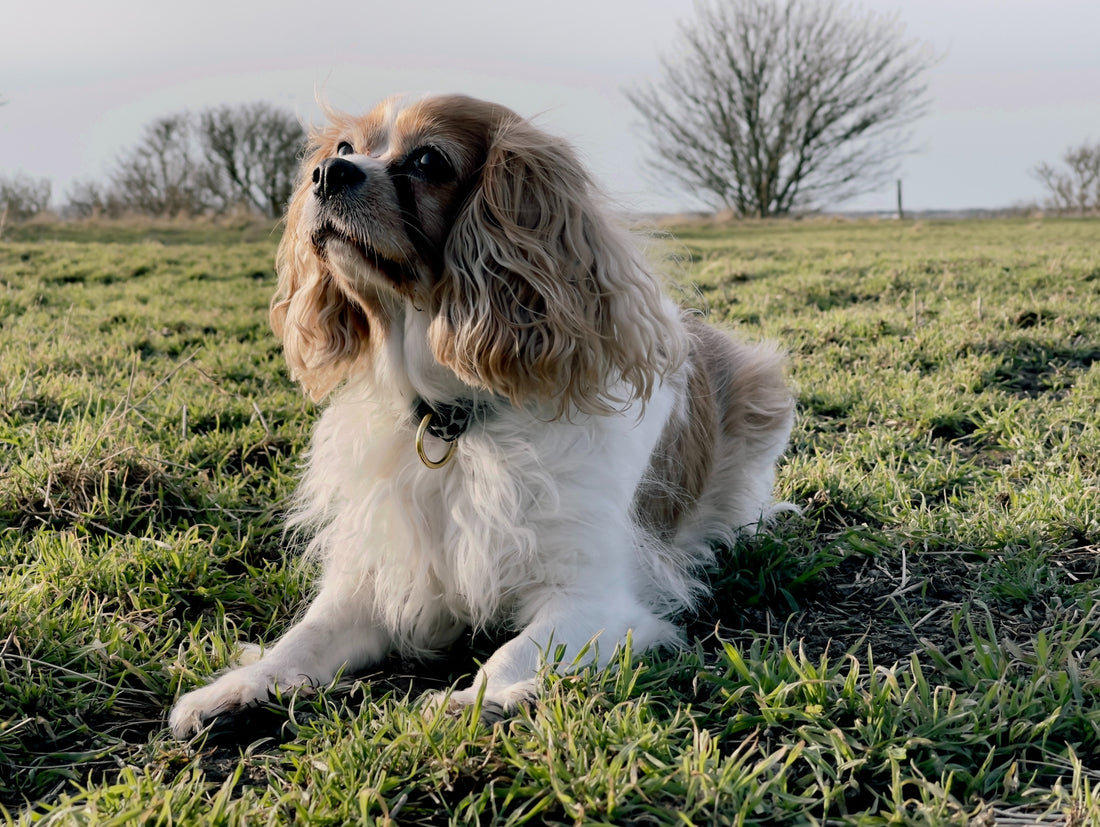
column 919, row 645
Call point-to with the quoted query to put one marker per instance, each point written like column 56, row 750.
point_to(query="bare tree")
column 775, row 105
column 88, row 199
column 22, row 196
column 161, row 175
column 188, row 164
column 1076, row 188
column 251, row 153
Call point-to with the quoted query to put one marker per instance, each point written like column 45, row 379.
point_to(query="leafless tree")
column 162, row 175
column 1076, row 187
column 777, row 105
column 185, row 164
column 22, row 196
column 251, row 154
column 87, row 199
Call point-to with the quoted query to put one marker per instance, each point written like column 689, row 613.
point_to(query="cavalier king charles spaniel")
column 523, row 432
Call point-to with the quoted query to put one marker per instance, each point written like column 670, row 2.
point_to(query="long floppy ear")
column 324, row 332
column 543, row 298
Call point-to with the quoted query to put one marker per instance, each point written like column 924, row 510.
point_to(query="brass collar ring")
column 424, row 458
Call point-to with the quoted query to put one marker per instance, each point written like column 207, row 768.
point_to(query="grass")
column 918, row 646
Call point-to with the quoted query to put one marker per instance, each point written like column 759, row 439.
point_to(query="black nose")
column 334, row 175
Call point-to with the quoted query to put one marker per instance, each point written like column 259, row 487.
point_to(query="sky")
column 1017, row 83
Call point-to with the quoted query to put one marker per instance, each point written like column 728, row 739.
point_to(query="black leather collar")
column 450, row 420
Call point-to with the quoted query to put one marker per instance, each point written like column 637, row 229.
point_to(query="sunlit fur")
column 626, row 439
column 544, row 297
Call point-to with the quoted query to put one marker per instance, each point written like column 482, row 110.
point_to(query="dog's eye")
column 344, row 148
column 431, row 164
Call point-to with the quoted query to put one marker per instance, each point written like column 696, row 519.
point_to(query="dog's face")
column 462, row 210
column 382, row 191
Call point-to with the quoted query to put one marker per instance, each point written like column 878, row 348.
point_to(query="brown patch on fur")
column 735, row 392
column 323, row 331
column 543, row 299
column 460, row 125
column 681, row 462
column 751, row 391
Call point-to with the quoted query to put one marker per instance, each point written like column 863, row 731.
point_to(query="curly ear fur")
column 324, row 332
column 543, row 298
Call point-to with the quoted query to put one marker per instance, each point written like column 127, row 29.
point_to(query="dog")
column 523, row 431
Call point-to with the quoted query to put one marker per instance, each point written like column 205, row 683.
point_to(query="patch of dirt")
column 859, row 603
column 1029, row 367
column 123, row 494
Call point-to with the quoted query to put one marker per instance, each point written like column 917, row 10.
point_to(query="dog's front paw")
column 232, row 692
column 496, row 703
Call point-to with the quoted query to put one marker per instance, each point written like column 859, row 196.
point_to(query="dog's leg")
column 337, row 631
column 588, row 597
column 584, row 626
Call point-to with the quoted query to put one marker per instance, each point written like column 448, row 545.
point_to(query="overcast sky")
column 1018, row 84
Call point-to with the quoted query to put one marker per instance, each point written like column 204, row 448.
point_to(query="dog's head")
column 461, row 209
